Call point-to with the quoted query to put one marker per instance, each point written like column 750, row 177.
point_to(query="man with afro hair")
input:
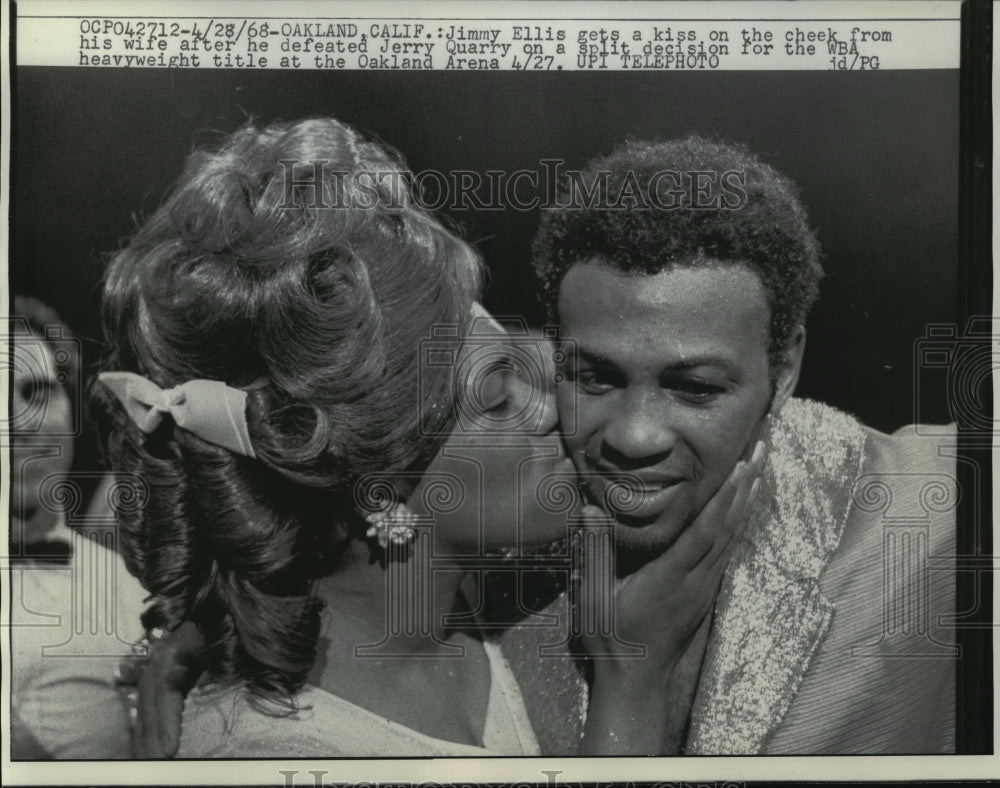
column 681, row 274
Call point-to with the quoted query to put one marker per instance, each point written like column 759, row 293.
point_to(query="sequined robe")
column 826, row 636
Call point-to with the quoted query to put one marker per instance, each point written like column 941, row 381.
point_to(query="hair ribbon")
column 209, row 409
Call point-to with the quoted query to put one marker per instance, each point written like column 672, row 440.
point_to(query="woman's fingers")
column 664, row 602
column 740, row 508
column 147, row 731
column 698, row 540
column 127, row 675
column 170, row 710
column 154, row 686
column 173, row 669
column 712, row 533
column 740, row 512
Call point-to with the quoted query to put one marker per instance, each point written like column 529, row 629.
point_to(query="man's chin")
column 646, row 528
column 637, row 542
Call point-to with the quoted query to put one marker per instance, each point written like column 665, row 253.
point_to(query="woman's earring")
column 394, row 525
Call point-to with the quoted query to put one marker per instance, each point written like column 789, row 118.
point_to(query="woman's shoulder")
column 228, row 723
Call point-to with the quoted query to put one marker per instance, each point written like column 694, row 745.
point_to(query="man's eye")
column 695, row 391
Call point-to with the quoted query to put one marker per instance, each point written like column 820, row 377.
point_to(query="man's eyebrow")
column 680, row 365
column 687, row 364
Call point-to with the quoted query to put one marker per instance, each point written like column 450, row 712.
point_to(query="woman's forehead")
column 483, row 323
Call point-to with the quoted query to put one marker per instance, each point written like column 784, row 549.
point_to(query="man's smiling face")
column 671, row 385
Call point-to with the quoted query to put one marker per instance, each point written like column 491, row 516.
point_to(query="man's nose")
column 641, row 425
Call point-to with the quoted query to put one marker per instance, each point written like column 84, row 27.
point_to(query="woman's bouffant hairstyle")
column 292, row 263
column 652, row 206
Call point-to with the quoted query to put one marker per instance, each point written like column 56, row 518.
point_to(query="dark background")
column 876, row 156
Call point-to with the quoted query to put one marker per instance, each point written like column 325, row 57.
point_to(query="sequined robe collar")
column 771, row 614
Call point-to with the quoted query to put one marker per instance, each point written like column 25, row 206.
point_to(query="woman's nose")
column 548, row 416
column 545, row 386
column 534, row 401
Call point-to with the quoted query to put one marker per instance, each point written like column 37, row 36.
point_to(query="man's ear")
column 787, row 374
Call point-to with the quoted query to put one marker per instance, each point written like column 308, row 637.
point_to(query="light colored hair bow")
column 209, row 409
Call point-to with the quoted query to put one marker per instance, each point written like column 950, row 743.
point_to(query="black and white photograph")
column 551, row 392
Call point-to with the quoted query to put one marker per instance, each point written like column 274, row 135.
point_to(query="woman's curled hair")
column 292, row 263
